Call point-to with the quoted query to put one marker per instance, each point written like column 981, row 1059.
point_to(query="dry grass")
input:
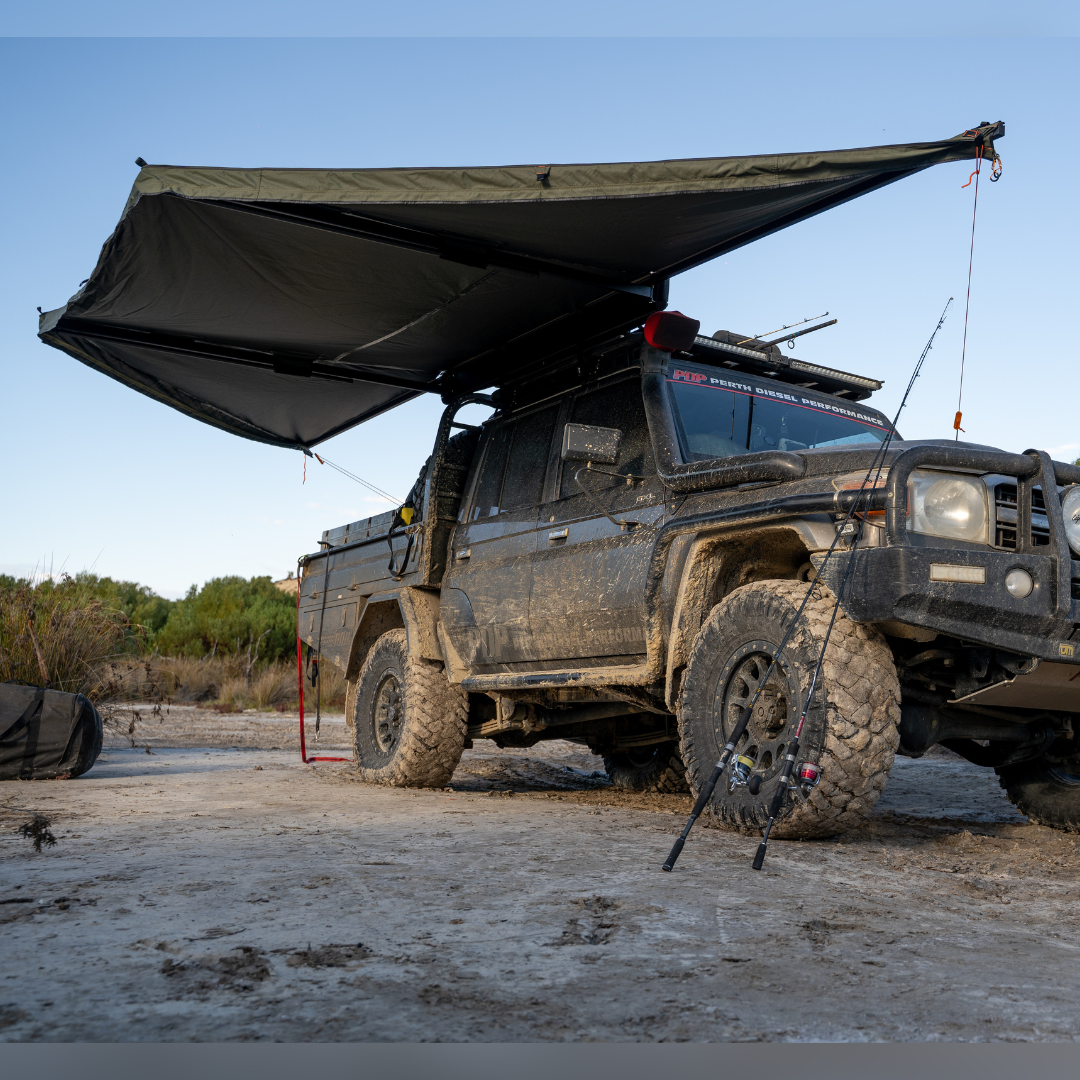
column 274, row 685
column 333, row 689
column 219, row 682
column 60, row 638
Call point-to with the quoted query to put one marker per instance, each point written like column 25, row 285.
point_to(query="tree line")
column 227, row 616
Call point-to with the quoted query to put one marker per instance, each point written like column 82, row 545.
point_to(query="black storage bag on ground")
column 46, row 734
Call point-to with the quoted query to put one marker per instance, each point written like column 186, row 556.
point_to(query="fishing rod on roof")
column 788, row 326
column 790, row 338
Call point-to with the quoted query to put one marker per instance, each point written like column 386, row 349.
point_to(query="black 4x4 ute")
column 616, row 552
column 615, row 555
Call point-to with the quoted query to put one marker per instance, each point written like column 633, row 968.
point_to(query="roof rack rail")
column 773, row 363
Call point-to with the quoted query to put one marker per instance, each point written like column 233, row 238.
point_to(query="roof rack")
column 770, row 361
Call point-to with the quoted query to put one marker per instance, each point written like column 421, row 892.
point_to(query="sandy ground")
column 217, row 889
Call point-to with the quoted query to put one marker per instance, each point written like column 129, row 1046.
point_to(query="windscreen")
column 724, row 416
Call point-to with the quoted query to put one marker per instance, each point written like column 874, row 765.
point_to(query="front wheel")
column 408, row 721
column 851, row 726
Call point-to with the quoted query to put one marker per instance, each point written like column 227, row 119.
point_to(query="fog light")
column 1019, row 583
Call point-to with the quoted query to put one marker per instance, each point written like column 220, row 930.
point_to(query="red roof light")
column 671, row 331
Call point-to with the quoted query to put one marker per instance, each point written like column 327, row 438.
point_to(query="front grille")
column 1005, row 527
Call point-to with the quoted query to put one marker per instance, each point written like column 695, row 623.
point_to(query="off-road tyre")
column 1046, row 790
column 408, row 722
column 851, row 728
column 656, row 768
column 350, row 702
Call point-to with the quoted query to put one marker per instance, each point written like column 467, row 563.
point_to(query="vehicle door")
column 588, row 586
column 485, row 595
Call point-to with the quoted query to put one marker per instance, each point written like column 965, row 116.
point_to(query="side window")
column 515, row 463
column 619, row 406
column 523, row 484
column 489, row 486
column 715, row 422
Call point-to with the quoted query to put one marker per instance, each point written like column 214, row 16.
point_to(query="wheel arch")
column 416, row 611
column 718, row 564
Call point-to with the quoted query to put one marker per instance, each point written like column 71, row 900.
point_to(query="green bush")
column 232, row 616
column 142, row 606
column 144, row 610
column 60, row 636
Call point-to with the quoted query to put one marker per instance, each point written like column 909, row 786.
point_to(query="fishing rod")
column 758, row 337
column 744, row 718
column 790, row 338
column 810, row 772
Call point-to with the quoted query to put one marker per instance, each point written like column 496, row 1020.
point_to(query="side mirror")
column 584, row 442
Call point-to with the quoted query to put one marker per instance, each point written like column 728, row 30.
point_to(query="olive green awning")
column 287, row 305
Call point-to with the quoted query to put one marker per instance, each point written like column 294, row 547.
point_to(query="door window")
column 515, row 464
column 523, row 484
column 619, row 406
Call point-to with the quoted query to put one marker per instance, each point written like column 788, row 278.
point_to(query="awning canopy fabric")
column 287, row 305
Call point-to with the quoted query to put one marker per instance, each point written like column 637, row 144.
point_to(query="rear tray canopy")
column 287, row 305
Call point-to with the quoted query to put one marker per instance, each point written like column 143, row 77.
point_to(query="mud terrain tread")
column 665, row 776
column 863, row 708
column 1042, row 800
column 433, row 735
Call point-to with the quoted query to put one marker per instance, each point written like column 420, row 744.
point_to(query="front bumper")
column 893, row 583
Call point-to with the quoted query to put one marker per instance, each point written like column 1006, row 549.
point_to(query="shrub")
column 274, row 685
column 60, row 637
column 145, row 611
column 232, row 616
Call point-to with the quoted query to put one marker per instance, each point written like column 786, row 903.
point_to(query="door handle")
column 558, row 534
column 465, row 553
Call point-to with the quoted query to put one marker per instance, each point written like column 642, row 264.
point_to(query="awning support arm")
column 299, row 366
column 429, row 242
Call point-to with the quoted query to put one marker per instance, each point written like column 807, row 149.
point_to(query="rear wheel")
column 408, row 721
column 648, row 768
column 851, row 728
column 1046, row 790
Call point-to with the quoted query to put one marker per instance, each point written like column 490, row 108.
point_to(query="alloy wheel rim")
column 767, row 734
column 387, row 713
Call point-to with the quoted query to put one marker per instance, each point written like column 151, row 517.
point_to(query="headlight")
column 951, row 506
column 1070, row 507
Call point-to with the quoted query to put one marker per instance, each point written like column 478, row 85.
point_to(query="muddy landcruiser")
column 615, row 554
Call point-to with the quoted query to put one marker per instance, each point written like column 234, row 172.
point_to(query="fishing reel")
column 740, row 771
column 806, row 778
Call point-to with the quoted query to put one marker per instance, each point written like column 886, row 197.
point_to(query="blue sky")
column 97, row 475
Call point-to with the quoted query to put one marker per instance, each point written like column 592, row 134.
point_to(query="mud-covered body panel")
column 548, row 574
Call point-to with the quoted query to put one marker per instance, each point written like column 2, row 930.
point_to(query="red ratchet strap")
column 300, row 687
